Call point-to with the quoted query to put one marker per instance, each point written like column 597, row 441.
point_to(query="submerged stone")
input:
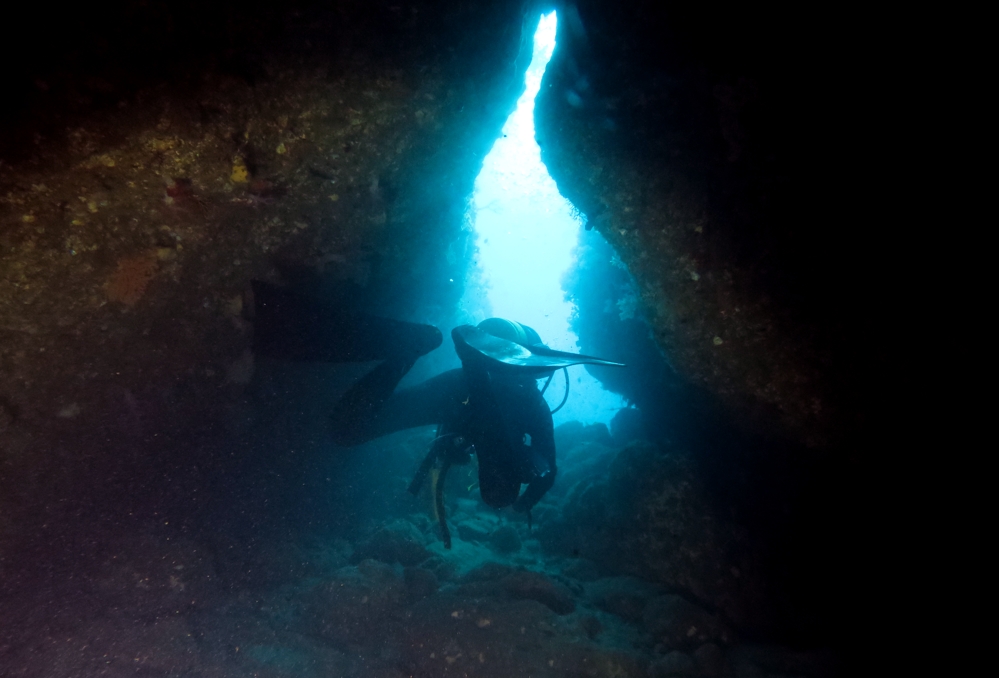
column 624, row 596
column 536, row 586
column 487, row 572
column 505, row 540
column 399, row 542
column 475, row 530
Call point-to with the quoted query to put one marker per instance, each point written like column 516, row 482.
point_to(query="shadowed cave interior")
column 172, row 504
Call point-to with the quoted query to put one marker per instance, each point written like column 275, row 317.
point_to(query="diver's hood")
column 470, row 342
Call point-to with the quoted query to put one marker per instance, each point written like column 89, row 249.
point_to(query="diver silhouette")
column 490, row 407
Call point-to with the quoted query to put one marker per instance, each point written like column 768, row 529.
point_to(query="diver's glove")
column 535, row 490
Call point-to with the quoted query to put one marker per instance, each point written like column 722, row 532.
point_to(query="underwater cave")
column 257, row 415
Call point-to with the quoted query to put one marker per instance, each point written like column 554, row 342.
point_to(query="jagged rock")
column 399, row 542
column 624, row 596
column 505, row 540
column 678, row 623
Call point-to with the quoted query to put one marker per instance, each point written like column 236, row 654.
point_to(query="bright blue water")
column 526, row 236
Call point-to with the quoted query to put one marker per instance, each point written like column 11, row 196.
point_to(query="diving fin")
column 470, row 340
column 293, row 327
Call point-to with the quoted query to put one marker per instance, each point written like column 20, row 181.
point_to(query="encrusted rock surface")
column 717, row 171
column 130, row 227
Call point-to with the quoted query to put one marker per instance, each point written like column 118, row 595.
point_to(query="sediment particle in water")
column 129, row 281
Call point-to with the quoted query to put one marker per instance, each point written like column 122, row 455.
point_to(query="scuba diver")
column 490, row 407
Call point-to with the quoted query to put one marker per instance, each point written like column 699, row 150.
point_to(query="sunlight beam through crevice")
column 526, row 236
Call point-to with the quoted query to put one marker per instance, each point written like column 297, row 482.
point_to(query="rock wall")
column 708, row 145
column 138, row 198
column 726, row 156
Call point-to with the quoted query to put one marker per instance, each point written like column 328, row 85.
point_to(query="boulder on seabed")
column 536, row 586
column 624, row 596
column 399, row 542
column 475, row 529
column 495, row 580
column 505, row 540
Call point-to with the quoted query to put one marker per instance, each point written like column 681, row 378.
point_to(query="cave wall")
column 709, row 146
column 719, row 152
column 174, row 152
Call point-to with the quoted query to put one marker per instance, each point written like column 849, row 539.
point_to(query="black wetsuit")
column 501, row 414
column 504, row 418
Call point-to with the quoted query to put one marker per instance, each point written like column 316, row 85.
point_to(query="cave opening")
column 527, row 236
